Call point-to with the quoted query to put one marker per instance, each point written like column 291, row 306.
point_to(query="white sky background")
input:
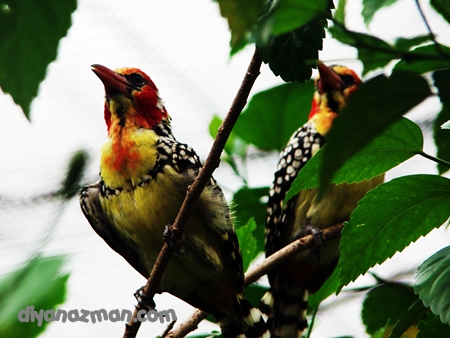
column 183, row 46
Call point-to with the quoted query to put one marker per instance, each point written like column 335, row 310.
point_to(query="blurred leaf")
column 370, row 110
column 327, row 289
column 248, row 204
column 373, row 52
column 425, row 59
column 29, row 35
column 407, row 44
column 442, row 136
column 432, row 283
column 392, row 298
column 339, row 13
column 38, row 284
column 273, row 115
column 446, row 125
column 432, row 327
column 382, row 333
column 408, row 319
column 399, row 142
column 292, row 55
column 389, row 218
column 442, row 7
column 241, row 16
column 254, row 292
column 370, row 7
column 75, row 172
column 247, row 242
column 235, row 146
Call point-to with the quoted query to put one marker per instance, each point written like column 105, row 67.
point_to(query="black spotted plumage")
column 300, row 148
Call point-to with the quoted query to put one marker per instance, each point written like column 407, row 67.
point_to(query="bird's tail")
column 286, row 312
column 249, row 323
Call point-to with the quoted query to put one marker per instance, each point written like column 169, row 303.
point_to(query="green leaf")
column 273, row 115
column 242, row 16
column 29, row 35
column 442, row 136
column 288, row 15
column 327, row 289
column 389, row 218
column 432, row 281
column 370, row 7
column 399, row 142
column 432, row 327
column 373, row 52
column 370, row 110
column 425, row 59
column 75, row 172
column 39, row 284
column 442, row 7
column 248, row 203
column 292, row 55
column 409, row 318
column 393, row 298
column 247, row 242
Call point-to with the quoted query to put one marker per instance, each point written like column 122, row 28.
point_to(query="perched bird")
column 144, row 176
column 286, row 301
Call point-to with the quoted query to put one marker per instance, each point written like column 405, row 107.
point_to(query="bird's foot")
column 177, row 245
column 319, row 239
column 145, row 302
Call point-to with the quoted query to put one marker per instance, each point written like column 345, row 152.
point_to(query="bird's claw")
column 145, row 302
column 319, row 239
column 177, row 245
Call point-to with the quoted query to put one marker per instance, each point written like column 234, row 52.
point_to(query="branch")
column 262, row 269
column 194, row 191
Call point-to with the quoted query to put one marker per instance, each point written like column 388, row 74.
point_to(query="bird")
column 286, row 302
column 144, row 175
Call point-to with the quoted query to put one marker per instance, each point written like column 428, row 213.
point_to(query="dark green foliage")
column 29, row 35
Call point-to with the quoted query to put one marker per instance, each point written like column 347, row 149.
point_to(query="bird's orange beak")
column 329, row 80
column 112, row 81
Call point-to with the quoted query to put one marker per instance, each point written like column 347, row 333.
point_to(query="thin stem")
column 311, row 325
column 435, row 159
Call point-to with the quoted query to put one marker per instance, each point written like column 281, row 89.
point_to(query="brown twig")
column 262, row 269
column 194, row 191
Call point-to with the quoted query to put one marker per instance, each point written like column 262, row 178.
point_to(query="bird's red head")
column 132, row 99
column 334, row 85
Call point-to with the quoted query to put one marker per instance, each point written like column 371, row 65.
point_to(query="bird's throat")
column 127, row 156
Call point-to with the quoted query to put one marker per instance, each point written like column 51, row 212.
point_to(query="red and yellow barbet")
column 286, row 302
column 144, row 176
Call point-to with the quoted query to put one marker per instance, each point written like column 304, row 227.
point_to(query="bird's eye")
column 136, row 80
column 348, row 80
